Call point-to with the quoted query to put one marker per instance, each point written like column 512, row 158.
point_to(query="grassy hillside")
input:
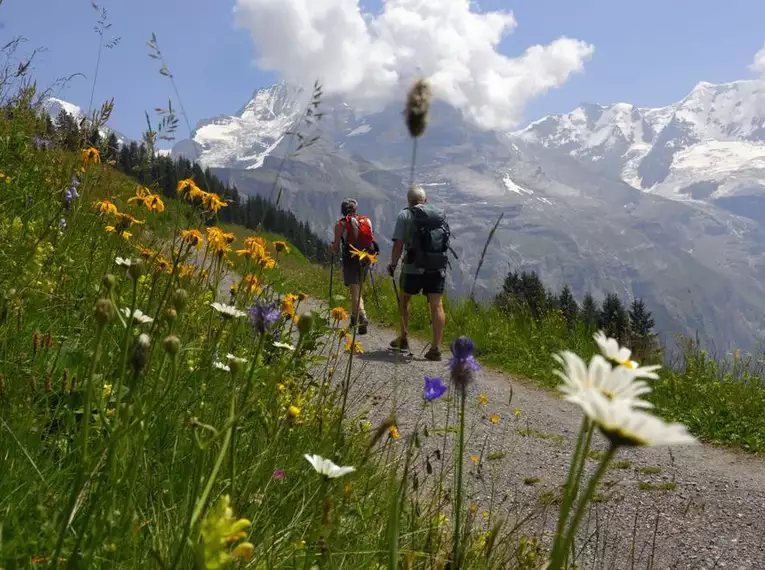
column 146, row 425
column 721, row 399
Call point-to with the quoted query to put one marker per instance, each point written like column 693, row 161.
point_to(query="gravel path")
column 692, row 507
column 689, row 507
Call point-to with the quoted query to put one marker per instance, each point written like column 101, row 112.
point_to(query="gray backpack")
column 430, row 239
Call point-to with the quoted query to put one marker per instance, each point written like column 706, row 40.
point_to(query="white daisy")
column 220, row 366
column 616, row 383
column 123, row 261
column 231, row 358
column 620, row 355
column 284, row 345
column 626, row 426
column 327, row 468
column 138, row 315
column 228, row 311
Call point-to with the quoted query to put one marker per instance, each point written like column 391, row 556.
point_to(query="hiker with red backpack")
column 354, row 230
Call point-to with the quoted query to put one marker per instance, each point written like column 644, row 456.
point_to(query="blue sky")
column 650, row 53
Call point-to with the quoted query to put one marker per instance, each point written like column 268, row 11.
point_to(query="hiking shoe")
column 433, row 354
column 400, row 343
column 363, row 323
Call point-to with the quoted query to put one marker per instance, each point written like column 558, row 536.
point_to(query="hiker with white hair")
column 422, row 236
column 354, row 231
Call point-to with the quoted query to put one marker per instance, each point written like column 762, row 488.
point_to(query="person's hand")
column 391, row 269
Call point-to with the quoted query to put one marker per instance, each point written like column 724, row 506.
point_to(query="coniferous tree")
column 112, row 149
column 568, row 306
column 534, row 294
column 643, row 341
column 614, row 320
column 589, row 312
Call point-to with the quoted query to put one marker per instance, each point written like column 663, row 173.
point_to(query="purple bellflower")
column 434, row 388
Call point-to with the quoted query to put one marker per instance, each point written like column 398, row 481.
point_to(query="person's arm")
column 334, row 247
column 398, row 243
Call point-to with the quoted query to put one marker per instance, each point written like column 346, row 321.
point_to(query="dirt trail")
column 694, row 507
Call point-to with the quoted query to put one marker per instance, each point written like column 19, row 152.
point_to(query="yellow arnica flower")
column 212, row 202
column 288, row 308
column 188, row 187
column 363, row 255
column 90, row 156
column 356, row 346
column 483, row 399
column 193, row 238
column 394, row 432
column 151, row 201
column 252, row 284
column 105, row 207
column 146, row 253
column 339, row 314
column 186, row 270
column 267, row 262
column 218, row 241
column 494, row 419
column 294, row 411
column 252, row 250
column 126, row 220
column 280, row 246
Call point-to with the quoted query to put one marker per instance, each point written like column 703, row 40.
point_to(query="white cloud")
column 371, row 59
column 758, row 65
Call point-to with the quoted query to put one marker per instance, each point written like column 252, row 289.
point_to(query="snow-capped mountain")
column 709, row 146
column 583, row 194
column 245, row 139
column 53, row 106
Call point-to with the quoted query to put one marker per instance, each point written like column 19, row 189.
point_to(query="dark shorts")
column 426, row 283
column 351, row 271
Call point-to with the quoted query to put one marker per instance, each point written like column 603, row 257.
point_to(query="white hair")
column 416, row 195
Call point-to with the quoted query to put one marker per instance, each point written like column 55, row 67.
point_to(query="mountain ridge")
column 575, row 220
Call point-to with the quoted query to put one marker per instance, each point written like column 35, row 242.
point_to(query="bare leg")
column 439, row 319
column 404, row 312
column 356, row 301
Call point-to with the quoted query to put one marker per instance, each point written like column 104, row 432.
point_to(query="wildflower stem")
column 125, row 344
column 414, row 160
column 573, row 481
column 557, row 562
column 456, row 536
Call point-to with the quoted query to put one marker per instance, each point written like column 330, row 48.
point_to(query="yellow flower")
column 362, row 255
column 105, row 207
column 288, row 308
column 188, row 187
column 294, row 411
column 126, row 220
column 146, row 253
column 212, row 202
column 281, row 388
column 267, row 262
column 280, row 246
column 356, row 346
column 252, row 284
column 186, row 270
column 107, row 390
column 483, row 399
column 254, row 248
column 473, row 508
column 220, row 530
column 494, row 419
column 517, row 413
column 126, row 235
column 339, row 314
column 474, row 458
column 193, row 238
column 90, row 156
column 110, row 228
column 152, row 201
column 394, row 432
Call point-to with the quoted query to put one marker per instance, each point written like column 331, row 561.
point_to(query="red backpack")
column 359, row 231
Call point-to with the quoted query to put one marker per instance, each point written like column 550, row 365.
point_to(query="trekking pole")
column 374, row 290
column 331, row 276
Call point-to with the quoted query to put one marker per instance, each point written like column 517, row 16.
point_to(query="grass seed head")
column 418, row 107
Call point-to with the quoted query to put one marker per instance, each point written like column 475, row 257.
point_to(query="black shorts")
column 352, row 271
column 431, row 283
